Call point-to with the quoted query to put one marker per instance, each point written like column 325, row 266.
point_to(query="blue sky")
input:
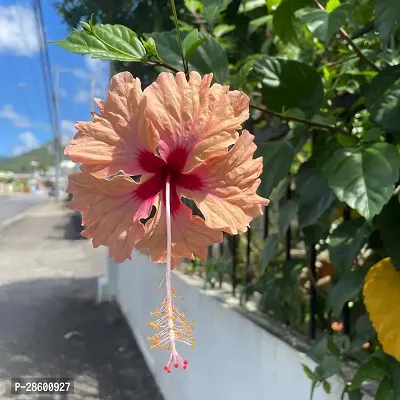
column 24, row 121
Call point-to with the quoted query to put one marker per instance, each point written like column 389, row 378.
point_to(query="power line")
column 51, row 99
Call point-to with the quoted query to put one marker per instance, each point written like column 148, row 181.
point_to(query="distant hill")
column 43, row 155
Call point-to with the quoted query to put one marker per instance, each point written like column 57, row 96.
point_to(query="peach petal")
column 190, row 236
column 193, row 115
column 113, row 141
column 110, row 210
column 228, row 198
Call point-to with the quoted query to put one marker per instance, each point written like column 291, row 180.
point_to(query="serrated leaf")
column 285, row 23
column 315, row 195
column 212, row 8
column 269, row 249
column 287, row 213
column 209, row 57
column 346, row 241
column 324, row 24
column 191, row 42
column 374, row 369
column 382, row 99
column 364, row 177
column 151, row 48
column 106, row 42
column 277, row 160
column 289, row 84
column 348, row 287
column 387, row 20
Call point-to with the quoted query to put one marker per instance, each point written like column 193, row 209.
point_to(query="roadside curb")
column 20, row 216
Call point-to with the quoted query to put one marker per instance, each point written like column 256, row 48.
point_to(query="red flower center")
column 172, row 167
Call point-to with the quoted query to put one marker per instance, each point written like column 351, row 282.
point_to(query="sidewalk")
column 49, row 322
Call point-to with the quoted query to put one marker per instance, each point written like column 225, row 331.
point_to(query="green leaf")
column 191, row 42
column 309, row 373
column 287, row 213
column 374, row 369
column 326, row 386
column 382, row 99
column 324, row 24
column 372, row 135
column 355, row 394
column 258, row 22
column 289, row 84
column 346, row 140
column 106, row 42
column 315, row 194
column 194, row 6
column 331, row 5
column 329, row 366
column 389, row 230
column 241, row 76
column 209, row 57
column 150, row 46
column 269, row 249
column 250, row 5
column 285, row 23
column 346, row 241
column 277, row 160
column 345, row 289
column 212, row 8
column 273, row 4
column 387, row 20
column 385, row 390
column 364, row 177
column 222, row 29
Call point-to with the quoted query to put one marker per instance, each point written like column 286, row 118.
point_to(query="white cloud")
column 62, row 93
column 81, row 96
column 99, row 71
column 28, row 142
column 67, row 131
column 67, row 127
column 18, row 30
column 19, row 120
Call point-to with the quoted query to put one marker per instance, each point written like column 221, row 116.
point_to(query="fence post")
column 346, row 309
column 313, row 292
column 248, row 265
column 234, row 263
column 288, row 241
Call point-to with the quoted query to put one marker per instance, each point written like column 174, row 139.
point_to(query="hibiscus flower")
column 146, row 150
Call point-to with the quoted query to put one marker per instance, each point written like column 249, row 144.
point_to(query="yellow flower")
column 381, row 297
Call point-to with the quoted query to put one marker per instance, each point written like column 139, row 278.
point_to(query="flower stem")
column 178, row 32
column 168, row 278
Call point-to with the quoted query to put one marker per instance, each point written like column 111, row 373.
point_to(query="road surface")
column 12, row 205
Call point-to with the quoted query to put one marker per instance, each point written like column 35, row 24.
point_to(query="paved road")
column 12, row 205
column 50, row 323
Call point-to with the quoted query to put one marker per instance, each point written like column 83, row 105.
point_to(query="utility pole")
column 57, row 130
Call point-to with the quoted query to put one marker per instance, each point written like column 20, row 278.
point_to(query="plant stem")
column 185, row 65
column 301, row 120
column 350, row 41
column 162, row 64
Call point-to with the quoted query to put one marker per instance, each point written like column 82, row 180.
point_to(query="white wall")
column 234, row 359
